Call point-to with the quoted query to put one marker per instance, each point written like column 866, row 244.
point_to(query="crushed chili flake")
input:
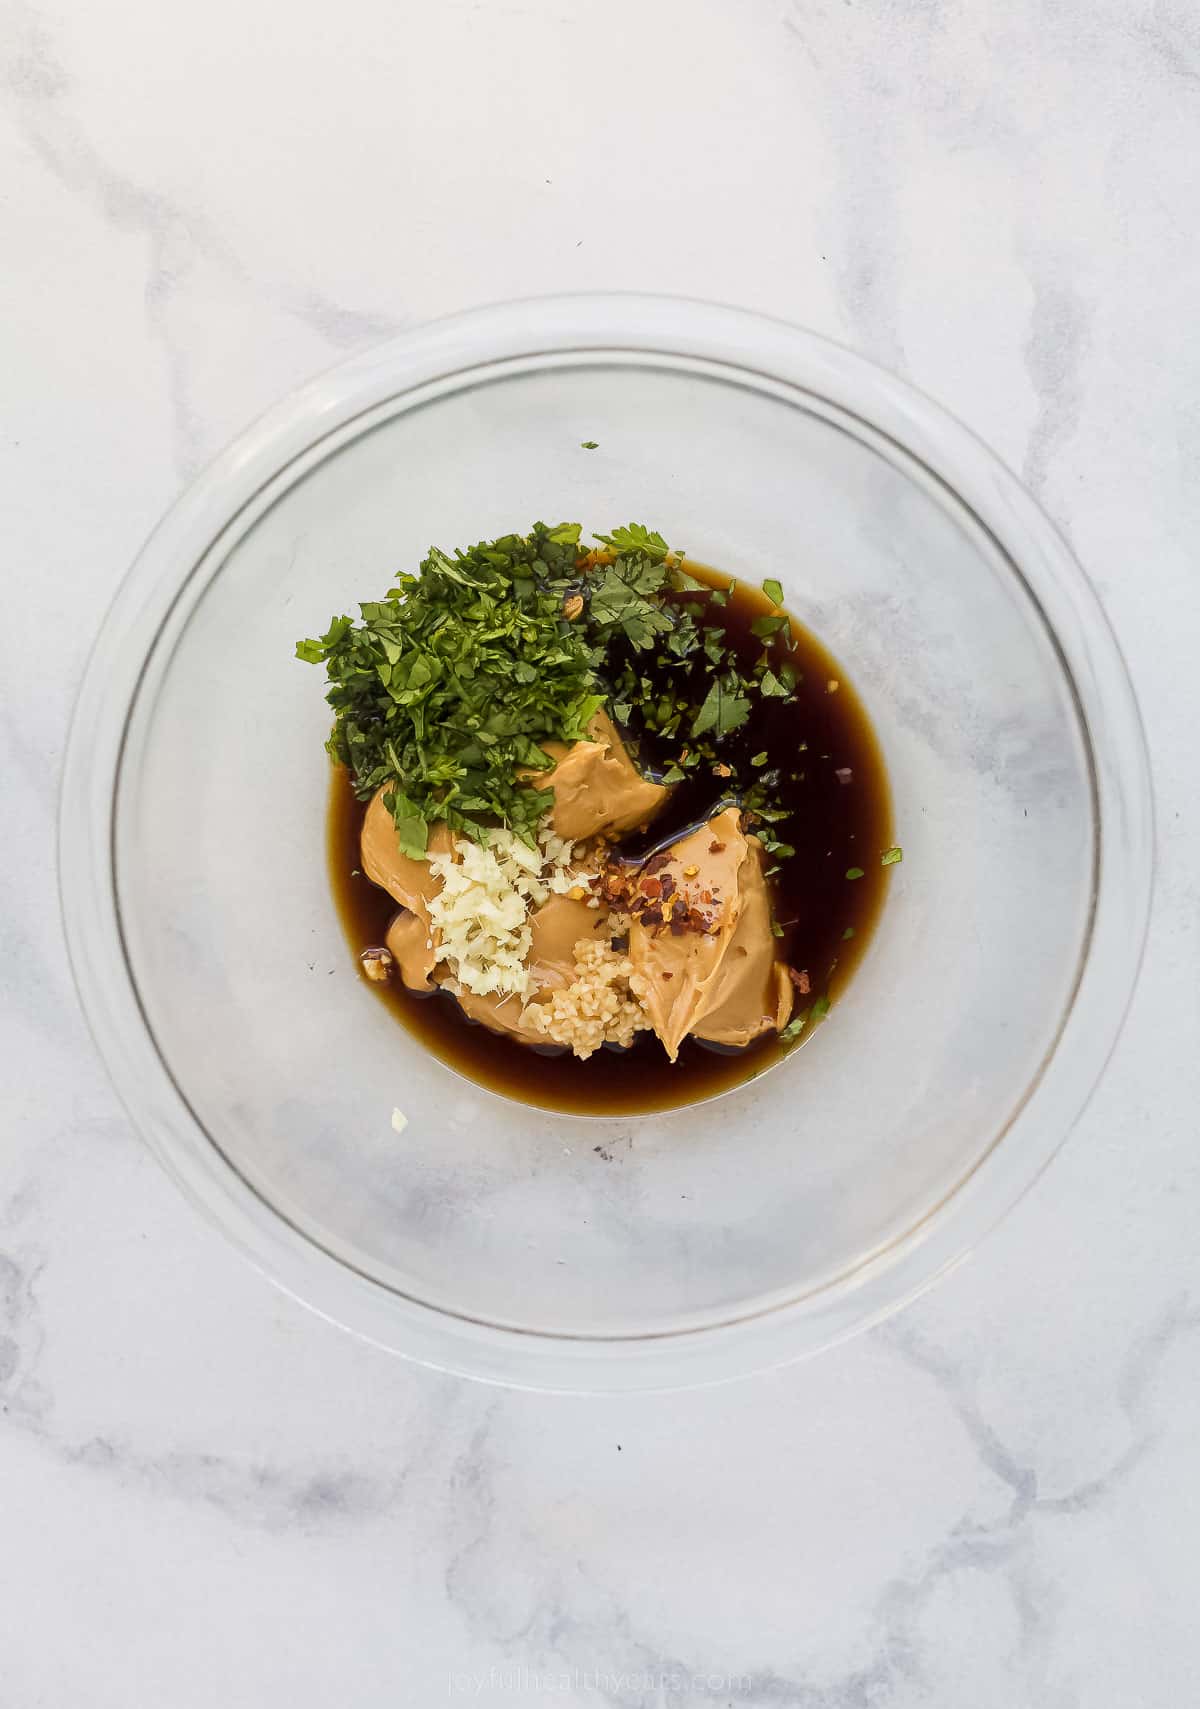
column 716, row 848
column 668, row 975
column 800, row 981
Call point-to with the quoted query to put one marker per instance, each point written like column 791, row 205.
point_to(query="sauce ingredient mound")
column 578, row 769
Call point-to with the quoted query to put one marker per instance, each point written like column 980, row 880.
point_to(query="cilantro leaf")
column 636, row 538
column 773, row 591
column 892, row 857
column 794, row 1027
column 723, row 709
column 765, row 627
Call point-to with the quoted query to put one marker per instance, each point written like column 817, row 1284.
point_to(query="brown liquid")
column 835, row 826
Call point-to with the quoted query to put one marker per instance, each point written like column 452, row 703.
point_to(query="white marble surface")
column 208, row 1496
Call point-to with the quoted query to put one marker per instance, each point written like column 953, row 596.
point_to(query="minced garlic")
column 481, row 914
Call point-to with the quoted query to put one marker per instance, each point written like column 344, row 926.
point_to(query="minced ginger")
column 601, row 1005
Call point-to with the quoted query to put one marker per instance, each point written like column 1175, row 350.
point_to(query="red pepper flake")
column 667, row 884
column 652, row 917
column 678, row 927
column 656, row 864
column 651, row 887
column 722, row 770
column 716, row 848
column 844, row 774
column 668, row 976
column 800, row 981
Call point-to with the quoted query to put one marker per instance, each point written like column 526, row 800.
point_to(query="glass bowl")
column 556, row 1251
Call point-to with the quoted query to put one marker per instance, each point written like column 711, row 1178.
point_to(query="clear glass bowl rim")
column 667, row 328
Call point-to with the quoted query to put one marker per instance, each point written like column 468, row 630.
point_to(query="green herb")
column 674, row 774
column 445, row 690
column 638, row 540
column 848, row 933
column 764, row 627
column 724, row 707
column 589, row 445
column 684, row 582
column 623, row 599
column 770, row 686
column 773, row 590
column 892, row 857
column 776, row 929
column 855, row 872
column 820, row 1008
column 759, row 759
column 794, row 1027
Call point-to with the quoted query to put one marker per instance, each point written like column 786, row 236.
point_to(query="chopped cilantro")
column 794, row 1027
column 773, row 590
column 623, row 600
column 724, row 708
column 764, row 627
column 683, row 582
column 820, row 1007
column 637, row 539
column 891, row 857
column 855, row 872
column 589, row 445
column 445, row 690
column 848, row 933
column 759, row 759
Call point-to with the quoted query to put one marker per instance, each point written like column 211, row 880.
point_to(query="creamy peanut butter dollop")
column 704, row 948
column 598, row 791
column 412, row 883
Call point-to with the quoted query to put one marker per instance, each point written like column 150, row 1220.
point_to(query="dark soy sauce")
column 837, row 824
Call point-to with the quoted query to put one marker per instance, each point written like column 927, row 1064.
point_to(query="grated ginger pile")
column 601, row 1005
